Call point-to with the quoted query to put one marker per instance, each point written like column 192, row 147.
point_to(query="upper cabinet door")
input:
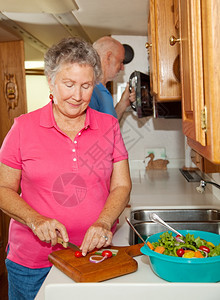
column 192, row 69
column 164, row 59
column 199, row 52
column 151, row 46
column 211, row 72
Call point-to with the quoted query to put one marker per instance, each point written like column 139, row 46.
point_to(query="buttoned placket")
column 75, row 152
column 75, row 149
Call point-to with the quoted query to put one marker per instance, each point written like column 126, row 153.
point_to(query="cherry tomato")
column 107, row 253
column 78, row 254
column 180, row 252
column 204, row 248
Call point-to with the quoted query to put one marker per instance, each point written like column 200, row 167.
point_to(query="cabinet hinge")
column 204, row 118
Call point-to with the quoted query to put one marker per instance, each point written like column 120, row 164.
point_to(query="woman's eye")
column 69, row 84
column 86, row 86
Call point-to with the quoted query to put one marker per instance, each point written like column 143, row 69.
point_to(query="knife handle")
column 61, row 241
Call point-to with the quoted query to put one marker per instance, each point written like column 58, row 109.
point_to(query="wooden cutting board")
column 82, row 270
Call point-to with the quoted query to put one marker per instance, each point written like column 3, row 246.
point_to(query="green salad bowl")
column 178, row 269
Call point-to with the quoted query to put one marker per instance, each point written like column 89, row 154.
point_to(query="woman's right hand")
column 47, row 230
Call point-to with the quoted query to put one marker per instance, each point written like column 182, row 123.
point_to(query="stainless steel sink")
column 196, row 219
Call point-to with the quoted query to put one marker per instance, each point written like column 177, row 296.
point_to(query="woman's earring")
column 51, row 96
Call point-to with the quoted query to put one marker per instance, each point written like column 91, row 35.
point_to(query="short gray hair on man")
column 71, row 50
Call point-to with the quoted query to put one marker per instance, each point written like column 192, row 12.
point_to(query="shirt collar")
column 47, row 118
column 101, row 87
column 91, row 119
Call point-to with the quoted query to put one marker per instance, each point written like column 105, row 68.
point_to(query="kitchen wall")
column 37, row 92
column 214, row 177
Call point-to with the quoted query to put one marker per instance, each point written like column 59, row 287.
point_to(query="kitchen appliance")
column 168, row 110
column 144, row 102
column 145, row 105
column 179, row 269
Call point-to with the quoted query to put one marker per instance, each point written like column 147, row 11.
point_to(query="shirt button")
column 74, row 150
column 75, row 142
column 79, row 133
column 74, row 159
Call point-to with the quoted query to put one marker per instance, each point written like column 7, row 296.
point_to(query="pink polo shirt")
column 61, row 179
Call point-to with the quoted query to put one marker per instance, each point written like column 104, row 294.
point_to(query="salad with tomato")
column 186, row 247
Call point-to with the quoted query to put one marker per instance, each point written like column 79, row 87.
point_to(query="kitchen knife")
column 67, row 244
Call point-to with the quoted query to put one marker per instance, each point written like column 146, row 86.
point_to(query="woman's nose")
column 77, row 95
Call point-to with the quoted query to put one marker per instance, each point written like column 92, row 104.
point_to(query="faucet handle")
column 201, row 187
column 203, row 183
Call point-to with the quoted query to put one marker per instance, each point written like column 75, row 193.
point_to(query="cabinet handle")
column 148, row 45
column 204, row 118
column 173, row 40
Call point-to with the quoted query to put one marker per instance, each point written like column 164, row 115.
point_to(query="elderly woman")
column 71, row 164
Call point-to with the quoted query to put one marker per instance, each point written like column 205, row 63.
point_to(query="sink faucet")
column 202, row 185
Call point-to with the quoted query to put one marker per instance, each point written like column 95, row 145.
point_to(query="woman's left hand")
column 97, row 236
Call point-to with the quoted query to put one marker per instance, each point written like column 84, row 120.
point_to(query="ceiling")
column 41, row 23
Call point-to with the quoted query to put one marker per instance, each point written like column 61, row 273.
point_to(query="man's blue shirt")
column 102, row 100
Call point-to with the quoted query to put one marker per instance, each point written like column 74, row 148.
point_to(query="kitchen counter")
column 152, row 189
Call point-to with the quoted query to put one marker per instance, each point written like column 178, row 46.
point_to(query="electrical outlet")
column 159, row 153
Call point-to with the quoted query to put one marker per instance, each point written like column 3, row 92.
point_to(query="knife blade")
column 67, row 244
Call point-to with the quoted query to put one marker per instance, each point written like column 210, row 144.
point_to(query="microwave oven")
column 145, row 104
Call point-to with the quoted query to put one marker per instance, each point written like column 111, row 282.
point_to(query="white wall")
column 147, row 133
column 140, row 60
column 37, row 91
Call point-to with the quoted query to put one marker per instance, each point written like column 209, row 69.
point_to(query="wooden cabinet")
column 163, row 58
column 12, row 85
column 204, row 164
column 199, row 30
column 12, row 104
column 176, row 14
column 2, row 250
